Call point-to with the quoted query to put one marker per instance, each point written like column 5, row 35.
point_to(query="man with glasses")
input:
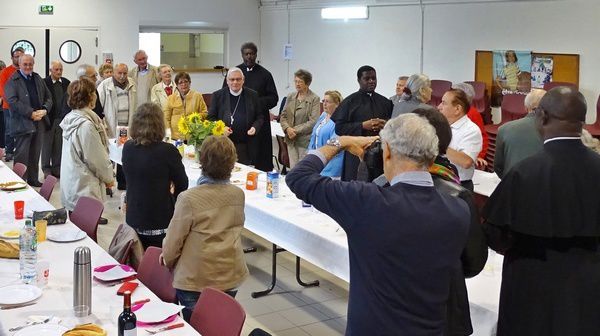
column 5, row 74
column 29, row 100
column 239, row 108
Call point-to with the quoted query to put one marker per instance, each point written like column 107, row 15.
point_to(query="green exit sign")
column 47, row 9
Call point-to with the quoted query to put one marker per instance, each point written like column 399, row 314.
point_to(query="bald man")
column 52, row 146
column 118, row 96
column 29, row 100
column 544, row 217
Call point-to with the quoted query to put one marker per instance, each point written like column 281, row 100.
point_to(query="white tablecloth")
column 318, row 239
column 57, row 297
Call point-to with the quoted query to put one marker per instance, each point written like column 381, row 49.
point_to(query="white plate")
column 156, row 311
column 115, row 273
column 17, row 294
column 65, row 235
column 42, row 330
column 4, row 233
column 16, row 186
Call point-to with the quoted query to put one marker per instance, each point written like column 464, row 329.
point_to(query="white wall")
column 390, row 40
column 118, row 22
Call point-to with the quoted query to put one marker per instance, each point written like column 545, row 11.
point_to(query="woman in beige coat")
column 301, row 111
column 203, row 244
column 184, row 101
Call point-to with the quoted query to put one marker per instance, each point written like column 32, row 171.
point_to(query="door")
column 32, row 39
column 72, row 46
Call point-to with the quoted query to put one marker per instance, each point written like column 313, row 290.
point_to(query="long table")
column 56, row 299
column 318, row 239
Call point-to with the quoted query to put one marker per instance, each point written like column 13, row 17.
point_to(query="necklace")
column 235, row 110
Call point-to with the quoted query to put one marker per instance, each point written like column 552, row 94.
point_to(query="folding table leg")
column 273, row 273
column 302, row 283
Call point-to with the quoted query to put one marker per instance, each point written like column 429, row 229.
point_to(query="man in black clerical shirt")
column 239, row 108
column 260, row 80
column 363, row 113
column 544, row 217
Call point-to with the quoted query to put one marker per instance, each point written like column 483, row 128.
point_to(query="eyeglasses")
column 236, row 79
column 185, row 81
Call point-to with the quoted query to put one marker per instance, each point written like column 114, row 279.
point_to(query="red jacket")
column 4, row 77
column 475, row 117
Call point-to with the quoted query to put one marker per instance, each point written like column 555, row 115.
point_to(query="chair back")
column 47, row 187
column 283, row 156
column 551, row 85
column 513, row 107
column 217, row 314
column 438, row 87
column 479, row 98
column 86, row 215
column 155, row 276
column 207, row 99
column 20, row 169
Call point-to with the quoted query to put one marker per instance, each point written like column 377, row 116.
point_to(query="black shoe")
column 8, row 157
column 103, row 221
column 35, row 183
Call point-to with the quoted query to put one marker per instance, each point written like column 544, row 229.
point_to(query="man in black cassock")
column 545, row 218
column 260, row 80
column 362, row 113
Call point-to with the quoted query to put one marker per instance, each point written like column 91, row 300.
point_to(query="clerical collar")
column 235, row 94
column 370, row 94
column 56, row 80
column 249, row 69
column 561, row 138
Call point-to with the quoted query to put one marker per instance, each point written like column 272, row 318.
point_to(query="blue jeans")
column 188, row 299
column 9, row 141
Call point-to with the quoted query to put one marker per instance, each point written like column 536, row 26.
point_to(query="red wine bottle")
column 127, row 320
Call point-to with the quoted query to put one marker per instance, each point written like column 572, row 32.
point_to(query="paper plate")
column 10, row 234
column 156, row 311
column 65, row 235
column 15, row 185
column 17, row 294
column 114, row 273
column 42, row 330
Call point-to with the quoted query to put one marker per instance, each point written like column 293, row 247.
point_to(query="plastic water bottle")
column 28, row 252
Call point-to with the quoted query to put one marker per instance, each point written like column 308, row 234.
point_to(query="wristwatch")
column 334, row 142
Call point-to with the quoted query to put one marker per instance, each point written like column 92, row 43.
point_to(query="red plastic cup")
column 19, row 209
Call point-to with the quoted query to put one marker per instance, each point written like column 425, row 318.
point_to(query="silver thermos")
column 82, row 278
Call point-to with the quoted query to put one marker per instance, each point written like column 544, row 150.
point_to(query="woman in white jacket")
column 86, row 169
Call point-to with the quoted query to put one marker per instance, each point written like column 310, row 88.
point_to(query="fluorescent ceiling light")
column 345, row 13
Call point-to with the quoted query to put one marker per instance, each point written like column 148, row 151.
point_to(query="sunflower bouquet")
column 195, row 127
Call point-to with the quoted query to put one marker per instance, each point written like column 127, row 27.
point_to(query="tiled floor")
column 290, row 310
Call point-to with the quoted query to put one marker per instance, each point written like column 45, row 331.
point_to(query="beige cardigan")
column 175, row 110
column 302, row 116
column 203, row 241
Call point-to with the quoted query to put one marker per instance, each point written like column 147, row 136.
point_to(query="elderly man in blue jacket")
column 405, row 240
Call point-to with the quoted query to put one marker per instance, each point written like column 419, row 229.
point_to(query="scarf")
column 94, row 119
column 444, row 169
column 203, row 179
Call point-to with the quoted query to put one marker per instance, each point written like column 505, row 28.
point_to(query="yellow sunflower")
column 194, row 118
column 206, row 123
column 219, row 128
column 183, row 126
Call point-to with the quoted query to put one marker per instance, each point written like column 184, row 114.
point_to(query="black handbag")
column 58, row 216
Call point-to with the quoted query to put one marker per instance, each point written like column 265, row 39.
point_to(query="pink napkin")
column 105, row 268
column 144, row 324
